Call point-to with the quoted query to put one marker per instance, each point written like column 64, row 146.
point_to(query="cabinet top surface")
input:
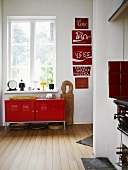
column 56, row 99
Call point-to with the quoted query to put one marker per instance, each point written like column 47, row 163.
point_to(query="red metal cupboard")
column 39, row 110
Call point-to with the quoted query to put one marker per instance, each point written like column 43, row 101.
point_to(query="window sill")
column 31, row 92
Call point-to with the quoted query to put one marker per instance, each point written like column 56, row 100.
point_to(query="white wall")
column 108, row 45
column 65, row 12
column 0, row 59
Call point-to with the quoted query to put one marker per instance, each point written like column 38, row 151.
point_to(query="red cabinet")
column 39, row 110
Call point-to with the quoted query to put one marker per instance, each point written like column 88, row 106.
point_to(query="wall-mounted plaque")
column 82, row 55
column 81, row 83
column 81, row 23
column 81, row 71
column 81, row 37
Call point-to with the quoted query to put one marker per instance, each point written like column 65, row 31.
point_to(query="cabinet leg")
column 6, row 127
column 64, row 125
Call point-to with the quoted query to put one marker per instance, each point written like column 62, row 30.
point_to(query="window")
column 32, row 49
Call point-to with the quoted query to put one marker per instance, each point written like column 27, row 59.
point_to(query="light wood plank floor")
column 44, row 149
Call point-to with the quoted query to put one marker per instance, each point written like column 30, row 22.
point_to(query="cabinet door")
column 50, row 110
column 57, row 110
column 19, row 110
column 42, row 110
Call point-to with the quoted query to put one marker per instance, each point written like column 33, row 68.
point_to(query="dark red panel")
column 114, row 78
column 114, row 90
column 118, row 75
column 124, row 67
column 81, row 37
column 124, row 90
column 114, row 66
column 124, row 79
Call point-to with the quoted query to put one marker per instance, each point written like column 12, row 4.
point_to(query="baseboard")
column 83, row 122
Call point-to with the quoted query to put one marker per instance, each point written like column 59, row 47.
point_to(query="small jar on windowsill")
column 51, row 86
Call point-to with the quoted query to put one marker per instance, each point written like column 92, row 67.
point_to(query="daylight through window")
column 32, row 50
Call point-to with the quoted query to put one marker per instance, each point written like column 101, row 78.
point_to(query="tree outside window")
column 32, row 50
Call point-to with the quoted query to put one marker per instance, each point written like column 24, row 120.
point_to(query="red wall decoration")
column 81, row 37
column 81, row 71
column 81, row 83
column 81, row 52
column 82, row 55
column 81, row 23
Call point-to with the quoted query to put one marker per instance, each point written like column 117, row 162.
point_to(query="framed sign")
column 82, row 55
column 81, row 23
column 81, row 83
column 81, row 37
column 81, row 71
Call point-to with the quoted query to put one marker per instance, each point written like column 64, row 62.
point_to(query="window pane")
column 44, row 32
column 20, row 54
column 20, row 51
column 32, row 50
column 46, row 74
column 21, row 72
column 44, row 48
column 45, row 53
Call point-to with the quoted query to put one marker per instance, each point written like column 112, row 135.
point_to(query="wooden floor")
column 44, row 149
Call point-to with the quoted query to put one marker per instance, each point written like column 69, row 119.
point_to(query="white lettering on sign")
column 80, row 36
column 82, row 71
column 80, row 23
column 81, row 54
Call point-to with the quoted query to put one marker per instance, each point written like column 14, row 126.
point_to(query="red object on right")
column 118, row 79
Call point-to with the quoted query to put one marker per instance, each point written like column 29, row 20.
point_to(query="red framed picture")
column 81, row 37
column 82, row 55
column 81, row 83
column 81, row 71
column 81, row 23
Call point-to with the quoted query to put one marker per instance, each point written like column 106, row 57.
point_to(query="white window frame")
column 32, row 20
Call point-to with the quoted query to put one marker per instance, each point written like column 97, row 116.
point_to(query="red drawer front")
column 19, row 111
column 50, row 110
